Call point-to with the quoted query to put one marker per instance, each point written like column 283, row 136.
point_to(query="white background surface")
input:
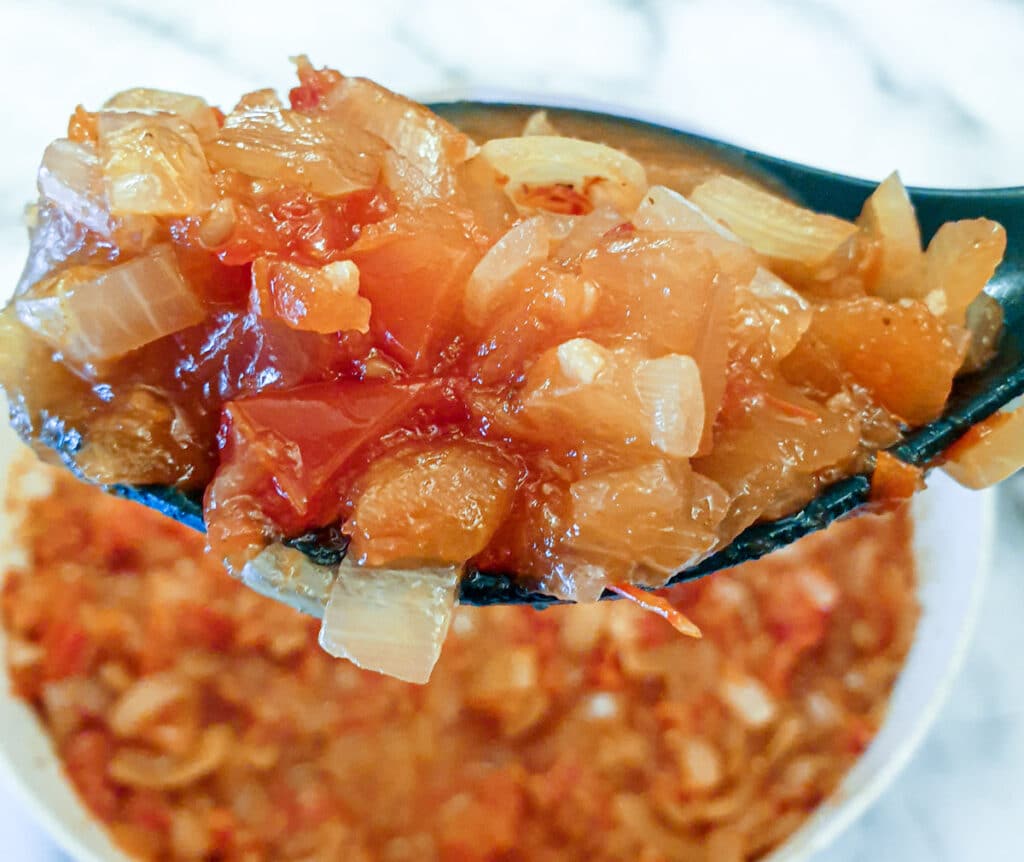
column 931, row 88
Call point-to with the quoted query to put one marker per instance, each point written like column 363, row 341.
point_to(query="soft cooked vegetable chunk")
column 989, row 452
column 961, row 258
column 772, row 225
column 96, row 315
column 888, row 215
column 901, row 353
column 393, row 621
column 436, row 503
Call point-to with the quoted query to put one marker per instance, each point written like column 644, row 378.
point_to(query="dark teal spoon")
column 974, row 397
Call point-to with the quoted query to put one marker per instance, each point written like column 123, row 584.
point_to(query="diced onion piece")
column 192, row 109
column 142, row 437
column 642, row 524
column 582, row 360
column 538, row 123
column 217, row 226
column 138, row 768
column 888, row 215
column 70, row 176
column 153, row 165
column 412, row 130
column 984, row 321
column 597, row 172
column 770, row 224
column 316, row 299
column 701, row 764
column 579, row 389
column 989, row 452
column 591, row 394
column 670, row 390
column 42, row 310
column 747, row 697
column 97, row 315
column 663, row 209
column 392, row 621
column 772, row 310
column 290, row 576
column 425, row 150
column 586, row 231
column 144, row 701
column 961, row 259
column 314, row 152
column 524, row 247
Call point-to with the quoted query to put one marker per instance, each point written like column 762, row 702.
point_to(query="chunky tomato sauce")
column 564, row 348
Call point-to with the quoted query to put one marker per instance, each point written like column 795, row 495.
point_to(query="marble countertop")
column 931, row 87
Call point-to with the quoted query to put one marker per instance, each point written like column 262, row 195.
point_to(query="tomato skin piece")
column 283, row 455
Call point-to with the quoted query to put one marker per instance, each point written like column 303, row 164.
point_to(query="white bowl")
column 953, row 539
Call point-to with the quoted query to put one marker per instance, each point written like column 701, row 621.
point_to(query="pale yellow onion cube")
column 153, row 164
column 996, row 456
column 392, row 621
column 600, row 173
column 888, row 215
column 192, row 109
column 771, row 224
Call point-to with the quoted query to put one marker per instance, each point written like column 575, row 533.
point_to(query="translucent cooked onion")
column 599, row 173
column 670, row 392
column 145, row 700
column 770, row 224
column 663, row 209
column 392, row 621
column 961, row 258
column 638, row 521
column 288, row 575
column 71, row 178
column 142, row 437
column 524, row 247
column 433, row 504
column 153, row 164
column 192, row 109
column 586, row 231
column 96, row 315
column 593, row 393
column 748, row 699
column 317, row 152
column 140, row 768
column 888, row 215
column 425, row 149
column 990, row 452
column 581, row 388
column 984, row 322
column 772, row 310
